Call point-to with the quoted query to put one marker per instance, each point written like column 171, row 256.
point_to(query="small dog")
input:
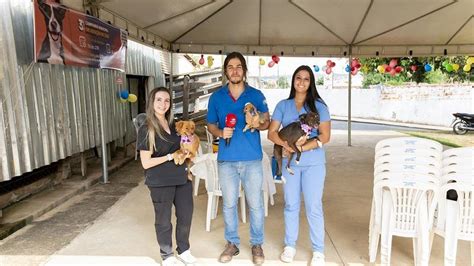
column 252, row 116
column 189, row 143
column 291, row 133
column 52, row 50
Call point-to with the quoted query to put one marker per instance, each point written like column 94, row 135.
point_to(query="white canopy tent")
column 322, row 28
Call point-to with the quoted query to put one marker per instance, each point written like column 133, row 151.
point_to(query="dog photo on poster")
column 67, row 37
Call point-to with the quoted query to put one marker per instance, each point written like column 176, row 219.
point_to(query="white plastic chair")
column 406, row 210
column 453, row 169
column 214, row 192
column 374, row 227
column 406, row 168
column 407, row 159
column 409, row 141
column 210, row 139
column 198, row 177
column 461, row 161
column 455, row 220
column 414, row 151
column 459, row 152
column 138, row 121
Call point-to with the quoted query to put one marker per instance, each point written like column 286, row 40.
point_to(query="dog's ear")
column 192, row 125
column 179, row 125
column 302, row 117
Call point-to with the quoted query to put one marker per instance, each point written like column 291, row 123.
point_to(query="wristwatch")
column 320, row 144
column 169, row 157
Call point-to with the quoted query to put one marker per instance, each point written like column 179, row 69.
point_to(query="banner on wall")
column 67, row 37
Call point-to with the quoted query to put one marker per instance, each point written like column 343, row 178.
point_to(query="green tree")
column 282, row 83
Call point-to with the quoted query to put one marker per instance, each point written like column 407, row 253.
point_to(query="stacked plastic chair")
column 456, row 202
column 407, row 173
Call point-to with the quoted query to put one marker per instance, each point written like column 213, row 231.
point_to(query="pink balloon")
column 201, row 61
column 414, row 68
column 393, row 72
column 388, row 68
column 358, row 65
column 353, row 73
column 393, row 63
column 385, row 66
column 329, row 63
column 398, row 69
column 275, row 59
column 333, row 64
column 328, row 70
column 271, row 63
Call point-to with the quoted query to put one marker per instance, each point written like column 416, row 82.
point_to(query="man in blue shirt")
column 240, row 160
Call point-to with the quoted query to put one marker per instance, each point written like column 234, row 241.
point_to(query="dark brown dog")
column 291, row 133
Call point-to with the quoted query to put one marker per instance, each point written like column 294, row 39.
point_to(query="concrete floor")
column 124, row 234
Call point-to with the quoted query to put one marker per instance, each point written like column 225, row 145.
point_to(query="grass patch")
column 444, row 137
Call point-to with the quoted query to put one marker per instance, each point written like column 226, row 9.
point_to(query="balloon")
column 132, row 98
column 348, row 68
column 365, row 69
column 393, row 72
column 455, row 67
column 333, row 64
column 354, row 72
column 328, row 70
column 210, row 61
column 414, row 68
column 428, row 67
column 358, row 65
column 261, row 61
column 275, row 59
column 393, row 63
column 124, row 94
column 470, row 61
column 316, row 68
column 467, row 68
column 381, row 69
column 354, row 62
column 123, row 100
column 271, row 63
column 449, row 68
column 201, row 61
column 388, row 68
column 329, row 63
column 445, row 62
column 398, row 69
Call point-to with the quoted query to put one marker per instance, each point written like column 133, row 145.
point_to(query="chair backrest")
column 408, row 168
column 402, row 176
column 212, row 181
column 412, row 204
column 407, row 159
column 139, row 120
column 462, row 178
column 409, row 141
column 460, row 169
column 461, row 161
column 459, row 152
column 409, row 150
column 210, row 139
column 465, row 209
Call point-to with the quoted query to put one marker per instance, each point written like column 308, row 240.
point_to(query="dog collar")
column 186, row 139
column 306, row 128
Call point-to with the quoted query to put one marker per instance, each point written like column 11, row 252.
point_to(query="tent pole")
column 349, row 101
column 105, row 173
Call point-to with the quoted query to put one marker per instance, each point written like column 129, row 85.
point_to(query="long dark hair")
column 242, row 62
column 312, row 93
column 154, row 126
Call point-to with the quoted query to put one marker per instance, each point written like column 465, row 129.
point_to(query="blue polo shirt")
column 286, row 113
column 244, row 146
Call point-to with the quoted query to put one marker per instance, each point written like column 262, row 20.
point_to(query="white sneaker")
column 318, row 259
column 171, row 261
column 187, row 257
column 288, row 254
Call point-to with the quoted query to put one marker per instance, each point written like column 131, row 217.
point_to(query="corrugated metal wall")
column 49, row 112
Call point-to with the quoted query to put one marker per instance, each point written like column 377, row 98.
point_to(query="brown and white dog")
column 52, row 50
column 189, row 143
column 252, row 116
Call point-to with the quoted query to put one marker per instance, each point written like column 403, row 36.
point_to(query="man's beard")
column 235, row 82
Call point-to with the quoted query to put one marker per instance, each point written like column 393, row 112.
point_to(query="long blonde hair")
column 154, row 126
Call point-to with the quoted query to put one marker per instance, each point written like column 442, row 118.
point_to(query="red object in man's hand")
column 230, row 121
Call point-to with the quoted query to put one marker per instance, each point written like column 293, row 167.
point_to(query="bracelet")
column 169, row 157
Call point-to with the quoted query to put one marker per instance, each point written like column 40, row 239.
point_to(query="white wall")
column 419, row 104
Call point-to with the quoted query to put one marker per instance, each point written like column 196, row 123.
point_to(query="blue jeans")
column 250, row 174
column 308, row 180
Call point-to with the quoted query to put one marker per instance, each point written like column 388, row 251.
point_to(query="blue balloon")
column 124, row 94
column 428, row 67
column 316, row 68
column 348, row 68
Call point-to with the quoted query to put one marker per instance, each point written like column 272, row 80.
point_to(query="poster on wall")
column 67, row 37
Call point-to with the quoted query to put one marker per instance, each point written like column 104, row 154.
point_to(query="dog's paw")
column 290, row 171
column 297, row 162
